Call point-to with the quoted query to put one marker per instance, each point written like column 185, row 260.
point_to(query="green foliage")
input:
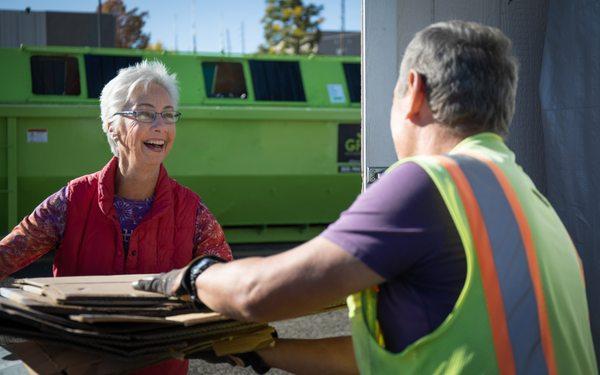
column 291, row 28
column 128, row 33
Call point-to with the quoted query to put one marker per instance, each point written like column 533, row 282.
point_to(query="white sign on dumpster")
column 37, row 135
column 336, row 93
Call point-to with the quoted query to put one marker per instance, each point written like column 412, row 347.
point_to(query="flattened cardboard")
column 105, row 316
column 100, row 279
column 48, row 305
column 92, row 290
column 118, row 318
column 186, row 320
column 47, row 358
column 193, row 319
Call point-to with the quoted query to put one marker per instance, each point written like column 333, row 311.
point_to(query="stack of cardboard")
column 103, row 318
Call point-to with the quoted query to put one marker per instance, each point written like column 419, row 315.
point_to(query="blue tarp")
column 570, row 103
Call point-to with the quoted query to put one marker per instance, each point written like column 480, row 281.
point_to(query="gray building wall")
column 388, row 26
column 79, row 29
column 55, row 29
column 330, row 43
column 381, row 46
column 18, row 28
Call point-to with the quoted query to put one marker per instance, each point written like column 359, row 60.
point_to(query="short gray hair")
column 116, row 94
column 470, row 75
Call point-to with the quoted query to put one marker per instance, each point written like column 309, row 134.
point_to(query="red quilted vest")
column 93, row 244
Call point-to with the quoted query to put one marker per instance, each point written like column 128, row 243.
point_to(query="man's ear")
column 416, row 94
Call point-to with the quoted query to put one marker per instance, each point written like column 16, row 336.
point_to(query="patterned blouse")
column 43, row 230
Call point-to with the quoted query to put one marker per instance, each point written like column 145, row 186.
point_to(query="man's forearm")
column 333, row 355
column 297, row 282
column 294, row 283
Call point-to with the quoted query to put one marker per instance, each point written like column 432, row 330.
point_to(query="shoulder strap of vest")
column 508, row 263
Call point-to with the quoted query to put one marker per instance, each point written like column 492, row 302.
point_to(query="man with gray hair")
column 453, row 260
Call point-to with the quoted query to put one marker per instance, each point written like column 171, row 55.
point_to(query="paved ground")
column 329, row 324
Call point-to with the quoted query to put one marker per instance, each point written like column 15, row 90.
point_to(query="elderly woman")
column 129, row 217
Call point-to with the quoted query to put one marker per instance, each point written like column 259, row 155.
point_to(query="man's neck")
column 435, row 140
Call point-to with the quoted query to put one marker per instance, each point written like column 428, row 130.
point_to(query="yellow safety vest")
column 523, row 308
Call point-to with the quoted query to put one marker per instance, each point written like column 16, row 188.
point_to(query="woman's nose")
column 158, row 122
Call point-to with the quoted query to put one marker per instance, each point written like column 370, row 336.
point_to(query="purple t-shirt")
column 401, row 229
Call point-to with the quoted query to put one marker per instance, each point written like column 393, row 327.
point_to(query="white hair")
column 116, row 94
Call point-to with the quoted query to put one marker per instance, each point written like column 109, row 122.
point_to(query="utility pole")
column 194, row 25
column 243, row 36
column 98, row 25
column 343, row 26
column 222, row 35
column 175, row 32
column 228, row 41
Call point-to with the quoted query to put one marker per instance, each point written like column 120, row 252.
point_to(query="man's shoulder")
column 398, row 221
column 404, row 197
column 405, row 179
column 408, row 167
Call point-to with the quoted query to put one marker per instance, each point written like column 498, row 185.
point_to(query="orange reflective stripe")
column 534, row 270
column 489, row 277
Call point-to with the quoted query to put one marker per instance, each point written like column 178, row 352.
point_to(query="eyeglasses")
column 148, row 117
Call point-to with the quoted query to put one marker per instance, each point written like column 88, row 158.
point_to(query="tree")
column 157, row 47
column 290, row 27
column 128, row 33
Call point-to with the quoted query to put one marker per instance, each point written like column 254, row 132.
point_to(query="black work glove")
column 171, row 283
column 178, row 282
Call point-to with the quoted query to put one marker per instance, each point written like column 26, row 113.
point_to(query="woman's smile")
column 155, row 145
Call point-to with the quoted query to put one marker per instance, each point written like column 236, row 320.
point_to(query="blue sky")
column 213, row 18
